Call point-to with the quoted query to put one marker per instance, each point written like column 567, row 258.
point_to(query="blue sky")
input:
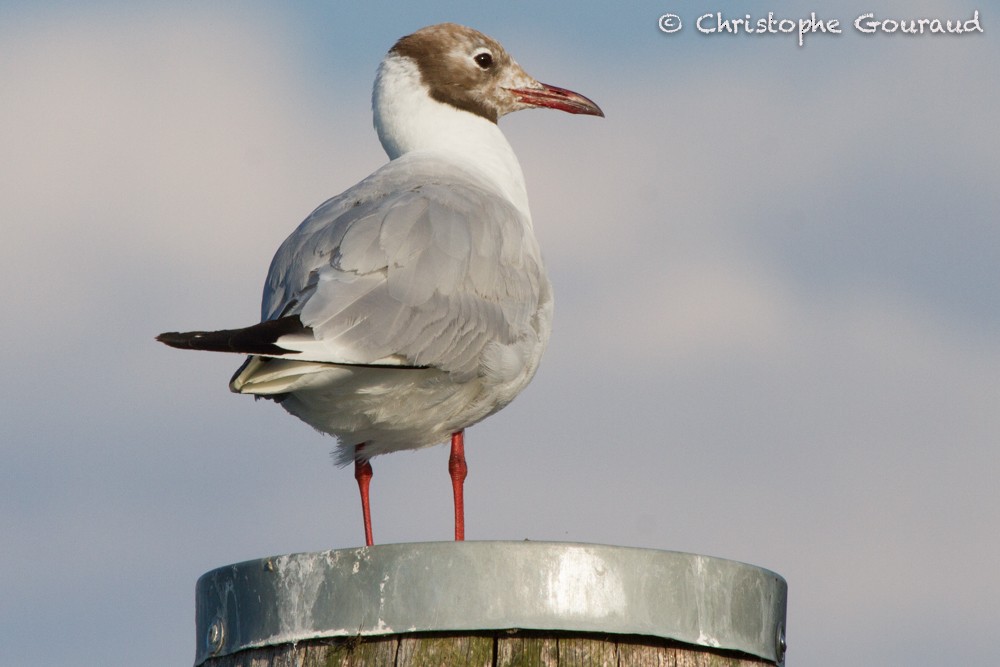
column 776, row 331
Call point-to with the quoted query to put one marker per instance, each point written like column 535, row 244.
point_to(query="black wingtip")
column 182, row 340
column 257, row 339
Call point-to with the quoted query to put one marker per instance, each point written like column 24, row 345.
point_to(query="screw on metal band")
column 216, row 636
column 782, row 644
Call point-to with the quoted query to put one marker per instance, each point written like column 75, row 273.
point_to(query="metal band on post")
column 480, row 586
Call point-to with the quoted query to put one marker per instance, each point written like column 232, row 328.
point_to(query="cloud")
column 735, row 208
column 152, row 143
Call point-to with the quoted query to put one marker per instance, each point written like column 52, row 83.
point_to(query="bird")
column 416, row 303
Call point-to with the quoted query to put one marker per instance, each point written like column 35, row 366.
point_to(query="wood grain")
column 493, row 649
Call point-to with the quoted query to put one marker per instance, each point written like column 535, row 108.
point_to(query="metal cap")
column 467, row 586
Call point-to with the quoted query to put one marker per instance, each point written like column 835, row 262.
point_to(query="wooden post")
column 491, row 604
column 500, row 649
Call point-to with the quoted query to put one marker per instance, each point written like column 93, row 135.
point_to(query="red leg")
column 458, row 470
column 363, row 473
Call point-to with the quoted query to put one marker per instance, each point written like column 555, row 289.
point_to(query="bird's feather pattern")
column 430, row 275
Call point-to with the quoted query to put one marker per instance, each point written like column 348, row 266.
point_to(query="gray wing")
column 424, row 275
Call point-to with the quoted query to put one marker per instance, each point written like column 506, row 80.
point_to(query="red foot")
column 363, row 473
column 458, row 470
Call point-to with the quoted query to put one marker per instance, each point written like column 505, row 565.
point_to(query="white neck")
column 407, row 119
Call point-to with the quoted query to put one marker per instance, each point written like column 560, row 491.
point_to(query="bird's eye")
column 484, row 60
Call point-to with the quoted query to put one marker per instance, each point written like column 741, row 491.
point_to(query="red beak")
column 553, row 97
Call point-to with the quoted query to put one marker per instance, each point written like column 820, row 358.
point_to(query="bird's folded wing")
column 424, row 276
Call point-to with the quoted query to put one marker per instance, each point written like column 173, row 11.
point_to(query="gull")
column 415, row 304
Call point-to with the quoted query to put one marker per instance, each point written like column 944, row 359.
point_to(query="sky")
column 777, row 323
